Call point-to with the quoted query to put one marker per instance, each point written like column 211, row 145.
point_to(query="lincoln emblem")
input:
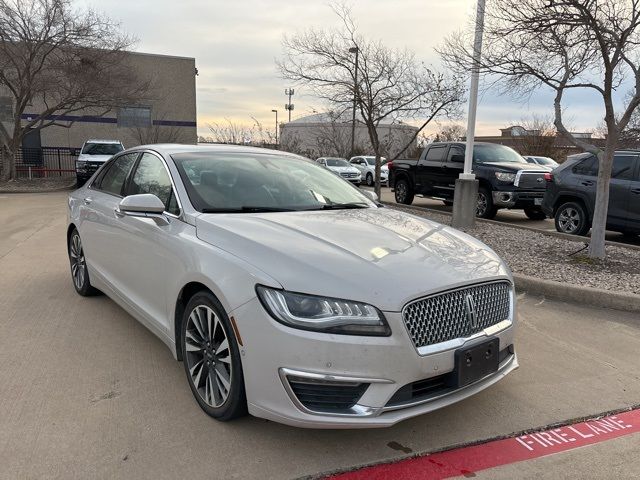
column 470, row 306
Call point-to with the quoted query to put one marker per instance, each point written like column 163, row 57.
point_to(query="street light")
column 466, row 190
column 355, row 50
column 276, row 112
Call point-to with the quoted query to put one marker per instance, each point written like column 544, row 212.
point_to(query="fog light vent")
column 325, row 395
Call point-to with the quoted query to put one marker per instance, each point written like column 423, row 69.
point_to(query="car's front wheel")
column 211, row 358
column 571, row 217
column 370, row 179
column 78, row 262
column 485, row 207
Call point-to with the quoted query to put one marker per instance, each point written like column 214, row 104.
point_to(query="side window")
column 455, row 150
column 588, row 166
column 116, row 173
column 623, row 167
column 436, row 154
column 151, row 176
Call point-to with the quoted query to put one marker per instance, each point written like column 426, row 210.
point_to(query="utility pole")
column 276, row 112
column 289, row 106
column 355, row 50
column 465, row 198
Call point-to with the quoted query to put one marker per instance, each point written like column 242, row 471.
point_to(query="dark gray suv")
column 571, row 192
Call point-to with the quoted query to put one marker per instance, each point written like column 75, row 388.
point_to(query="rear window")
column 102, row 148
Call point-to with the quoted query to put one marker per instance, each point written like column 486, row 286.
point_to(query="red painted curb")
column 466, row 460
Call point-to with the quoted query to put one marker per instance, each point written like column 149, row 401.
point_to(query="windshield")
column 337, row 162
column 495, row 153
column 546, row 161
column 372, row 160
column 102, row 148
column 237, row 182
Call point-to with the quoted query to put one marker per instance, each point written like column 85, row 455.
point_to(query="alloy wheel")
column 208, row 356
column 569, row 220
column 482, row 206
column 369, row 179
column 78, row 262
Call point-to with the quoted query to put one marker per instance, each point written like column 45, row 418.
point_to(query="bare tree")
column 157, row 132
column 565, row 45
column 333, row 136
column 540, row 138
column 55, row 61
column 391, row 84
column 452, row 132
column 231, row 132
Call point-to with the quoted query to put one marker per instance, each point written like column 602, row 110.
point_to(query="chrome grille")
column 533, row 180
column 444, row 316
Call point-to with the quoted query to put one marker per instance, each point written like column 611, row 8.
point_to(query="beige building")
column 321, row 134
column 167, row 115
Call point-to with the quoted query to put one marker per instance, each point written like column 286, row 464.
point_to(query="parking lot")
column 88, row 392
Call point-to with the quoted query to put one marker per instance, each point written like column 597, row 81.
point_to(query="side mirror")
column 371, row 194
column 142, row 205
column 457, row 158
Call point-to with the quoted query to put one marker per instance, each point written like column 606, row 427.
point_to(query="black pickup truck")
column 506, row 179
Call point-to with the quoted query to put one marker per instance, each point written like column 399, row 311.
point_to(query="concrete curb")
column 45, row 190
column 567, row 292
column 565, row 236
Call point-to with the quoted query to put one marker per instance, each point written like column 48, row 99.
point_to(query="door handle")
column 636, row 191
column 587, row 183
column 88, row 200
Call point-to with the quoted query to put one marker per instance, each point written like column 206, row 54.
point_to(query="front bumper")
column 517, row 199
column 272, row 351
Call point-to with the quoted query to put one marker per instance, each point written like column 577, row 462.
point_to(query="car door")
column 149, row 250
column 622, row 175
column 452, row 168
column 99, row 227
column 633, row 219
column 430, row 174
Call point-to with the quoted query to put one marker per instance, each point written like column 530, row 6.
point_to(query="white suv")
column 367, row 166
column 93, row 154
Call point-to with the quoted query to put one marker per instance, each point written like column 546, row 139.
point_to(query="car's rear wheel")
column 485, row 207
column 211, row 358
column 403, row 192
column 370, row 179
column 78, row 262
column 535, row 213
column 571, row 218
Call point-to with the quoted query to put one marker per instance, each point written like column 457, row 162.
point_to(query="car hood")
column 83, row 157
column 379, row 256
column 344, row 169
column 514, row 167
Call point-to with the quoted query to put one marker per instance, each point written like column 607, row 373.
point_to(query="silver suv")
column 367, row 166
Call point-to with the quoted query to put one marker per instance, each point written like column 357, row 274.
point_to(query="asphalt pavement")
column 88, row 392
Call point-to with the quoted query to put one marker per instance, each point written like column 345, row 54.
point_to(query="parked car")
column 292, row 296
column 93, row 155
column 571, row 193
column 542, row 161
column 367, row 167
column 506, row 179
column 341, row 167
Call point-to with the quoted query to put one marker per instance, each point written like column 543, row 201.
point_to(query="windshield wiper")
column 344, row 206
column 247, row 209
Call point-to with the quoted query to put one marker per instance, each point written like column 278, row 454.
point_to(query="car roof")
column 175, row 148
column 101, row 140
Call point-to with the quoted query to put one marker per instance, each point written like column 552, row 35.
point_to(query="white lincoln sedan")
column 288, row 293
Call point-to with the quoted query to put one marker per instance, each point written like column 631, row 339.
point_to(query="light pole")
column 289, row 106
column 276, row 112
column 466, row 191
column 355, row 50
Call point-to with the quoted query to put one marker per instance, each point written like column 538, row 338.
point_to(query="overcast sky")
column 235, row 43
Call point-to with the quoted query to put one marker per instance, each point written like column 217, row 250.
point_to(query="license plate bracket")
column 537, row 201
column 476, row 362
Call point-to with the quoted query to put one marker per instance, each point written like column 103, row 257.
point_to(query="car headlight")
column 323, row 314
column 505, row 177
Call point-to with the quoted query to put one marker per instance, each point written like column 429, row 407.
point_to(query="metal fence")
column 46, row 162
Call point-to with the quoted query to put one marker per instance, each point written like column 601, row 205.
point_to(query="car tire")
column 211, row 358
column 370, row 179
column 448, row 203
column 78, row 264
column 571, row 218
column 485, row 207
column 534, row 213
column 403, row 192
